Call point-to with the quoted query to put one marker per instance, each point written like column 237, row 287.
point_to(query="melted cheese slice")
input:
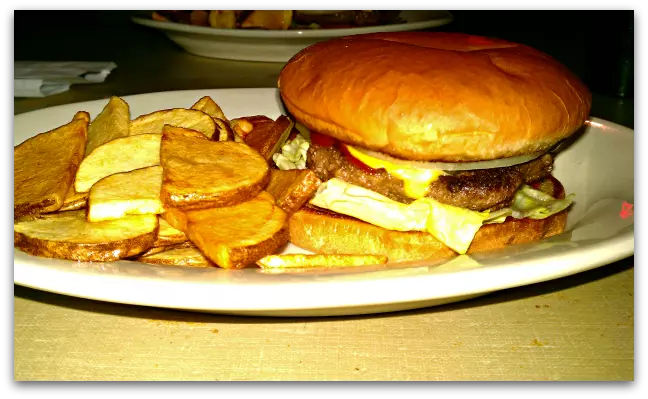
column 416, row 182
column 455, row 227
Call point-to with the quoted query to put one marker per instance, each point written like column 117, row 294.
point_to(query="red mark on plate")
column 627, row 210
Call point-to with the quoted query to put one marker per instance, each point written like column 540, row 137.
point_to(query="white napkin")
column 40, row 78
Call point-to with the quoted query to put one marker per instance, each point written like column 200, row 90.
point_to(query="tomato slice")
column 328, row 141
column 321, row 139
column 355, row 161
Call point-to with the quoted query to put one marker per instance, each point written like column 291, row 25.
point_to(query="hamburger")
column 429, row 144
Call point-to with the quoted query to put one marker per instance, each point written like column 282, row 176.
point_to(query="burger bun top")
column 431, row 96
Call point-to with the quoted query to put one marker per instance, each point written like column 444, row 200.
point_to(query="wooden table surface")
column 574, row 328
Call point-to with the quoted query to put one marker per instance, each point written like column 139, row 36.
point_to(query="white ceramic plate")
column 597, row 234
column 275, row 46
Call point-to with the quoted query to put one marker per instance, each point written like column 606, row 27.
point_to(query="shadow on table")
column 506, row 295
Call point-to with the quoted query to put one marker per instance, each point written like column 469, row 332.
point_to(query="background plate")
column 596, row 235
column 275, row 46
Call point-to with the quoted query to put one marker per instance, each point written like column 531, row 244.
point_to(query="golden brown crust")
column 89, row 252
column 292, row 188
column 326, row 232
column 199, row 173
column 434, row 96
column 68, row 235
column 45, row 166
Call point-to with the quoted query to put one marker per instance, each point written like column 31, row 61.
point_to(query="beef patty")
column 472, row 189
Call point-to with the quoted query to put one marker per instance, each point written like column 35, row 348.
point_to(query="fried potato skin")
column 45, row 166
column 68, row 235
column 179, row 117
column 202, row 174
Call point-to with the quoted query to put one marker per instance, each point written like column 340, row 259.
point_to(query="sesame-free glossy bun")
column 434, row 96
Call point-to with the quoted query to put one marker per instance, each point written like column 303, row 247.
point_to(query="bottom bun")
column 322, row 231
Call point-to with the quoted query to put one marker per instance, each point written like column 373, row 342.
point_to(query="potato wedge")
column 202, row 174
column 68, row 235
column 45, row 166
column 168, row 235
column 157, row 250
column 186, row 257
column 130, row 193
column 234, row 242
column 183, row 131
column 207, row 105
column 83, row 115
column 234, row 236
column 240, row 246
column 244, row 126
column 294, row 261
column 179, row 117
column 180, row 219
column 267, row 138
column 292, row 188
column 120, row 155
column 112, row 123
column 223, row 131
column 74, row 201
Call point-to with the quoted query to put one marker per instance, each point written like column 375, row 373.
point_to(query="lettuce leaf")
column 531, row 203
column 293, row 154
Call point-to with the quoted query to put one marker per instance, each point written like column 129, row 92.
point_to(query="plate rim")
column 415, row 284
column 445, row 18
column 624, row 241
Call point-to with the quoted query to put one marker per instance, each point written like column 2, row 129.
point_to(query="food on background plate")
column 45, row 166
column 447, row 153
column 342, row 19
column 221, row 19
column 280, row 19
column 267, row 19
